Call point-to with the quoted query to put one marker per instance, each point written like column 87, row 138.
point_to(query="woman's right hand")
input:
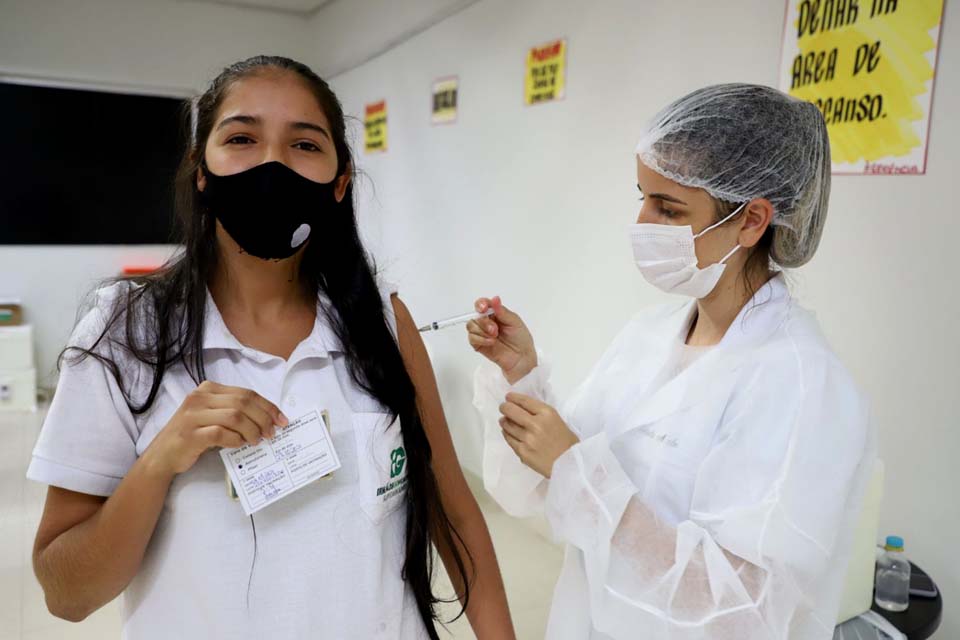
column 212, row 416
column 503, row 339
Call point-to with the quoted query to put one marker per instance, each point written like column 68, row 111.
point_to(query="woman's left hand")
column 535, row 432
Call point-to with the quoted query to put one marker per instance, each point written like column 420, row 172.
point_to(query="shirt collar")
column 321, row 342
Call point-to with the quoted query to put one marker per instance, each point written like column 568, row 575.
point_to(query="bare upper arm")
column 445, row 462
column 63, row 510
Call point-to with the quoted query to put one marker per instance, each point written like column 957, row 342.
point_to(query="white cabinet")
column 18, row 390
column 18, row 377
column 16, row 347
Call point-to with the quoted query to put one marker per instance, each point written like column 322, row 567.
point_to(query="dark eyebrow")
column 244, row 119
column 663, row 196
column 311, row 127
column 253, row 120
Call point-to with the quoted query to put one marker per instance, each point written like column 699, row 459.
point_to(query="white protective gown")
column 716, row 501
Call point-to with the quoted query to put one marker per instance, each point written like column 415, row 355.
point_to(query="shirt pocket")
column 381, row 463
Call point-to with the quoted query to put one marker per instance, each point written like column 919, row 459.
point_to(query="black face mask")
column 270, row 210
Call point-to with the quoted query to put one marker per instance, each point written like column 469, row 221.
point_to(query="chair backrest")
column 858, row 589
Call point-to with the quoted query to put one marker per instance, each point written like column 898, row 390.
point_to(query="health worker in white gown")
column 707, row 474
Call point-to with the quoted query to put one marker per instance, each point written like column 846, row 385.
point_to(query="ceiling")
column 339, row 35
column 302, row 7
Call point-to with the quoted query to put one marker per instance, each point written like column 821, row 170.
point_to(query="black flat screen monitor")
column 87, row 167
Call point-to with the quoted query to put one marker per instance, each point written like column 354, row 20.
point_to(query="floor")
column 530, row 564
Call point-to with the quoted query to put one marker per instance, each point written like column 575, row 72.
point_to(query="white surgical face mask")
column 666, row 256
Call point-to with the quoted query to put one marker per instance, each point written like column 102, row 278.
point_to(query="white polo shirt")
column 328, row 557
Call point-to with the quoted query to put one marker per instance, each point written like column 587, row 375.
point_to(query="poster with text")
column 545, row 77
column 869, row 66
column 375, row 127
column 444, row 110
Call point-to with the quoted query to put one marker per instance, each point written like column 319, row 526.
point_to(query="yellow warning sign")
column 546, row 72
column 445, row 101
column 869, row 66
column 375, row 127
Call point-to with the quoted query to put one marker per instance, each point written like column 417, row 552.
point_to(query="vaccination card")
column 266, row 472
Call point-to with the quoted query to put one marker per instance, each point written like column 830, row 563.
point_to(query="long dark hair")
column 163, row 320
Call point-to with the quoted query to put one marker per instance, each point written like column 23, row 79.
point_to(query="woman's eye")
column 668, row 213
column 239, row 140
column 307, row 146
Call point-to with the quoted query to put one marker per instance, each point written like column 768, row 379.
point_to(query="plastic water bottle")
column 893, row 577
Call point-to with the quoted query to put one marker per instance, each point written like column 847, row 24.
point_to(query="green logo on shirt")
column 398, row 458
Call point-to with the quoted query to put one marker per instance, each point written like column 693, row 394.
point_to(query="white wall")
column 166, row 47
column 531, row 203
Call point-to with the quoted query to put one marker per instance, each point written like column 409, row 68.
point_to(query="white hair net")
column 739, row 142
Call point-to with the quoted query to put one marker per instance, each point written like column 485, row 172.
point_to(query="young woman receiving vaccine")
column 707, row 474
column 269, row 313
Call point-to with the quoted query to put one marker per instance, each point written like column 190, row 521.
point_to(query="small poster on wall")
column 869, row 66
column 545, row 77
column 375, row 127
column 444, row 110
